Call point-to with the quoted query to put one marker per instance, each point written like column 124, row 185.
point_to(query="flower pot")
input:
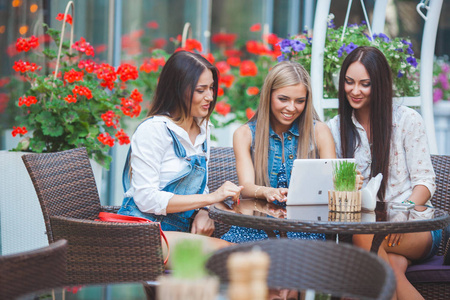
column 171, row 288
column 344, row 201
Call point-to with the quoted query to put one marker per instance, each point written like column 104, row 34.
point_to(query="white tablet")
column 311, row 179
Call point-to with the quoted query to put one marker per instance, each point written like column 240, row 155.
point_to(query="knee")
column 362, row 241
column 398, row 262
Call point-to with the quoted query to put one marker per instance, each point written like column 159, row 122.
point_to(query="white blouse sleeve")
column 149, row 144
column 417, row 151
column 334, row 126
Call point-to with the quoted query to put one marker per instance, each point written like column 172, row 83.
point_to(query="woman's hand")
column 272, row 194
column 202, row 224
column 394, row 239
column 228, row 189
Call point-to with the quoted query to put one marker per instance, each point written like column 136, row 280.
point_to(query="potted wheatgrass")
column 345, row 197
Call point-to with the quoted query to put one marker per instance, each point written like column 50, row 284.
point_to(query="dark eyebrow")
column 348, row 77
column 204, row 85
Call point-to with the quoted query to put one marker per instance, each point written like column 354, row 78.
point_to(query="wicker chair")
column 431, row 278
column 221, row 167
column 341, row 270
column 98, row 252
column 33, row 271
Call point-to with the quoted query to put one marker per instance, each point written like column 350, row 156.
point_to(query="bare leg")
column 405, row 290
column 211, row 244
column 413, row 246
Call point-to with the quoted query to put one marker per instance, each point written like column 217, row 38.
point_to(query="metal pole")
column 294, row 20
column 205, row 26
column 268, row 15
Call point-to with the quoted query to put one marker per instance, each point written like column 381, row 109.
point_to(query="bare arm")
column 242, row 140
column 324, row 141
column 180, row 203
column 420, row 195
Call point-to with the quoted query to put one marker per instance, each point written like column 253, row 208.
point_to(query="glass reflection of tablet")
column 307, row 212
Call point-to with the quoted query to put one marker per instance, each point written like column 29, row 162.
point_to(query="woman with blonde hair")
column 285, row 127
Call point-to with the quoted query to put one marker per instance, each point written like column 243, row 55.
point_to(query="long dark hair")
column 380, row 111
column 177, row 83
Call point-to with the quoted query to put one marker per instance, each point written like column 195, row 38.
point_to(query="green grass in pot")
column 345, row 176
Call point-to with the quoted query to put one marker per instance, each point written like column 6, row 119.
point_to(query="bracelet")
column 204, row 208
column 409, row 202
column 257, row 189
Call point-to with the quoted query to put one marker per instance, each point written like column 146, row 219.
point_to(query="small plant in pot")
column 345, row 197
column 189, row 279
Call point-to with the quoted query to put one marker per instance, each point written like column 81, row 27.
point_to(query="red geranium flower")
column 122, row 137
column 60, row 17
column 248, row 68
column 111, row 119
column 220, row 92
column 255, row 27
column 159, row 43
column 209, row 57
column 226, row 80
column 27, row 101
column 106, row 139
column 234, row 61
column 82, row 91
column 83, row 46
column 252, row 91
column 233, row 53
column 127, row 72
column 225, row 39
column 19, row 130
column 223, row 108
column 249, row 113
column 192, row 44
column 152, row 25
column 223, row 67
column 73, row 76
column 71, row 98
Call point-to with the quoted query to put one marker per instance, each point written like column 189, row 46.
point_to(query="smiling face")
column 358, row 86
column 287, row 104
column 203, row 95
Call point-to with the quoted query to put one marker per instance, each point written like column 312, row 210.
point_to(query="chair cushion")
column 431, row 270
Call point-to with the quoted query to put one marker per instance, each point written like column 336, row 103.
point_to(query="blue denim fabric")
column 191, row 180
column 275, row 151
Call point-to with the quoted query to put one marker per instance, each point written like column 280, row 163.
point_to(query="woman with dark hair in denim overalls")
column 165, row 176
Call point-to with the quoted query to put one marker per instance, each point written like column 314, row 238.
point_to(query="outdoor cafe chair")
column 221, row 168
column 326, row 267
column 33, row 271
column 432, row 277
column 98, row 252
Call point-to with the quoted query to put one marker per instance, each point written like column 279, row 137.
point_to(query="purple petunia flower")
column 382, row 36
column 352, row 25
column 369, row 37
column 407, row 43
column 298, row 46
column 412, row 61
column 445, row 68
column 437, row 95
column 285, row 43
column 363, row 22
column 341, row 50
column 399, row 74
column 331, row 24
column 399, row 50
column 350, row 47
column 309, row 40
column 410, row 51
column 281, row 58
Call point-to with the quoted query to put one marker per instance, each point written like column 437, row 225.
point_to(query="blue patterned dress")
column 239, row 235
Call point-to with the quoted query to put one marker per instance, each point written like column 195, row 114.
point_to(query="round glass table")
column 259, row 214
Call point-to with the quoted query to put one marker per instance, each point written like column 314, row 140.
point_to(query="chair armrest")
column 102, row 252
column 446, row 237
column 110, row 209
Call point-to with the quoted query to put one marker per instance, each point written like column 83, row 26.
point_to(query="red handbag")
column 110, row 217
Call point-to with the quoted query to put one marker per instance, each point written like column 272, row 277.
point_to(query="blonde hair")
column 283, row 74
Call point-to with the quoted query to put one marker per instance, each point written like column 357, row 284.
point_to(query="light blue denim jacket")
column 191, row 180
column 275, row 151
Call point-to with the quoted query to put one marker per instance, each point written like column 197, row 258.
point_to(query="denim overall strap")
column 190, row 180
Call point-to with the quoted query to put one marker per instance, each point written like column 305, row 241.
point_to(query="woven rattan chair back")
column 64, row 184
column 341, row 270
column 33, row 271
column 221, row 167
column 441, row 197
